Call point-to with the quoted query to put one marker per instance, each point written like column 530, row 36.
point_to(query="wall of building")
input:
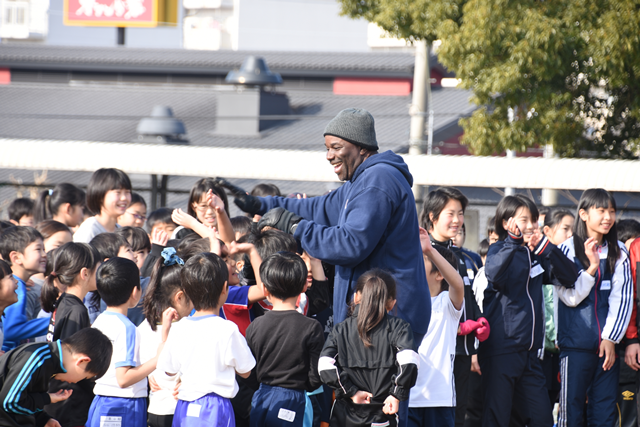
column 298, row 25
column 62, row 35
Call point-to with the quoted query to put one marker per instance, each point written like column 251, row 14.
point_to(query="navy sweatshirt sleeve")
column 560, row 271
column 320, row 210
column 498, row 261
column 350, row 243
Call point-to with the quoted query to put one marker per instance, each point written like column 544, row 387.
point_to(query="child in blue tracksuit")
column 593, row 316
column 23, row 249
column 517, row 266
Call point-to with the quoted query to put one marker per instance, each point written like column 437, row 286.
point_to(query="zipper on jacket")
column 533, row 309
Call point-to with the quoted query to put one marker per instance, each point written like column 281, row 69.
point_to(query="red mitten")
column 482, row 333
column 469, row 326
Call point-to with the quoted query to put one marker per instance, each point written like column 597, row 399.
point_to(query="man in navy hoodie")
column 370, row 221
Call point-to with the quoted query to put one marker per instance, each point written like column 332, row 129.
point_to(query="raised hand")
column 280, row 219
column 168, row 316
column 215, row 202
column 239, row 248
column 182, row 218
column 159, row 237
column 425, row 241
column 512, row 227
column 591, row 251
column 535, row 238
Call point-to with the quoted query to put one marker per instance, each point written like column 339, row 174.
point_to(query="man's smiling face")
column 344, row 156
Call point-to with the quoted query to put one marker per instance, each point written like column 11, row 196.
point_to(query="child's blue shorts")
column 277, row 407
column 108, row 411
column 209, row 410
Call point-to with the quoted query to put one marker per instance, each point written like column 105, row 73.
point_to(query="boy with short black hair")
column 25, row 373
column 121, row 393
column 111, row 245
column 628, row 231
column 286, row 345
column 23, row 249
column 21, row 212
column 108, row 245
column 160, row 219
column 208, row 362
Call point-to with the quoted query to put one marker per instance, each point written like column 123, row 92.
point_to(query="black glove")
column 281, row 219
column 235, row 190
column 246, row 203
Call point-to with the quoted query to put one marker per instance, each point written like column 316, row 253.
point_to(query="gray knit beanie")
column 355, row 125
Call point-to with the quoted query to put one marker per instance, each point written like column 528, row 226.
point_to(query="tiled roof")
column 111, row 112
column 206, row 62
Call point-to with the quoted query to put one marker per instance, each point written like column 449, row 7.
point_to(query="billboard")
column 119, row 13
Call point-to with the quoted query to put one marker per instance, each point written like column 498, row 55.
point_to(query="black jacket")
column 388, row 367
column 513, row 301
column 25, row 373
column 69, row 317
column 465, row 344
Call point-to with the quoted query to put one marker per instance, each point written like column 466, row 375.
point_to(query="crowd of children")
column 112, row 317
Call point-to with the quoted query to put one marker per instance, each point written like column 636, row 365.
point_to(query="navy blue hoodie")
column 369, row 222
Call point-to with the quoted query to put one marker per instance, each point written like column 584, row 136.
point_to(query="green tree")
column 565, row 73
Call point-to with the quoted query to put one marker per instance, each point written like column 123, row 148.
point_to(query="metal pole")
column 421, row 99
column 163, row 190
column 121, row 36
column 154, row 192
column 430, row 133
column 509, row 191
column 549, row 196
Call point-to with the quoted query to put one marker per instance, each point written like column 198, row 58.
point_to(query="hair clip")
column 170, row 257
column 50, row 192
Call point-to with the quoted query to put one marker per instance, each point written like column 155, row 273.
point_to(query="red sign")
column 111, row 13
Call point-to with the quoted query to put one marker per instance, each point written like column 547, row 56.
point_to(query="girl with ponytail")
column 64, row 203
column 370, row 359
column 594, row 314
column 72, row 275
column 164, row 291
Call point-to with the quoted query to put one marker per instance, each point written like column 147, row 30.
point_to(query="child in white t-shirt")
column 121, row 393
column 164, row 291
column 432, row 400
column 204, row 349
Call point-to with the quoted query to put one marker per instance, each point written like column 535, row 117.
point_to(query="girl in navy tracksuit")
column 593, row 316
column 516, row 268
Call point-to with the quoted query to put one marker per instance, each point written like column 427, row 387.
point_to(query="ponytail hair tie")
column 54, row 275
column 50, row 192
column 170, row 257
